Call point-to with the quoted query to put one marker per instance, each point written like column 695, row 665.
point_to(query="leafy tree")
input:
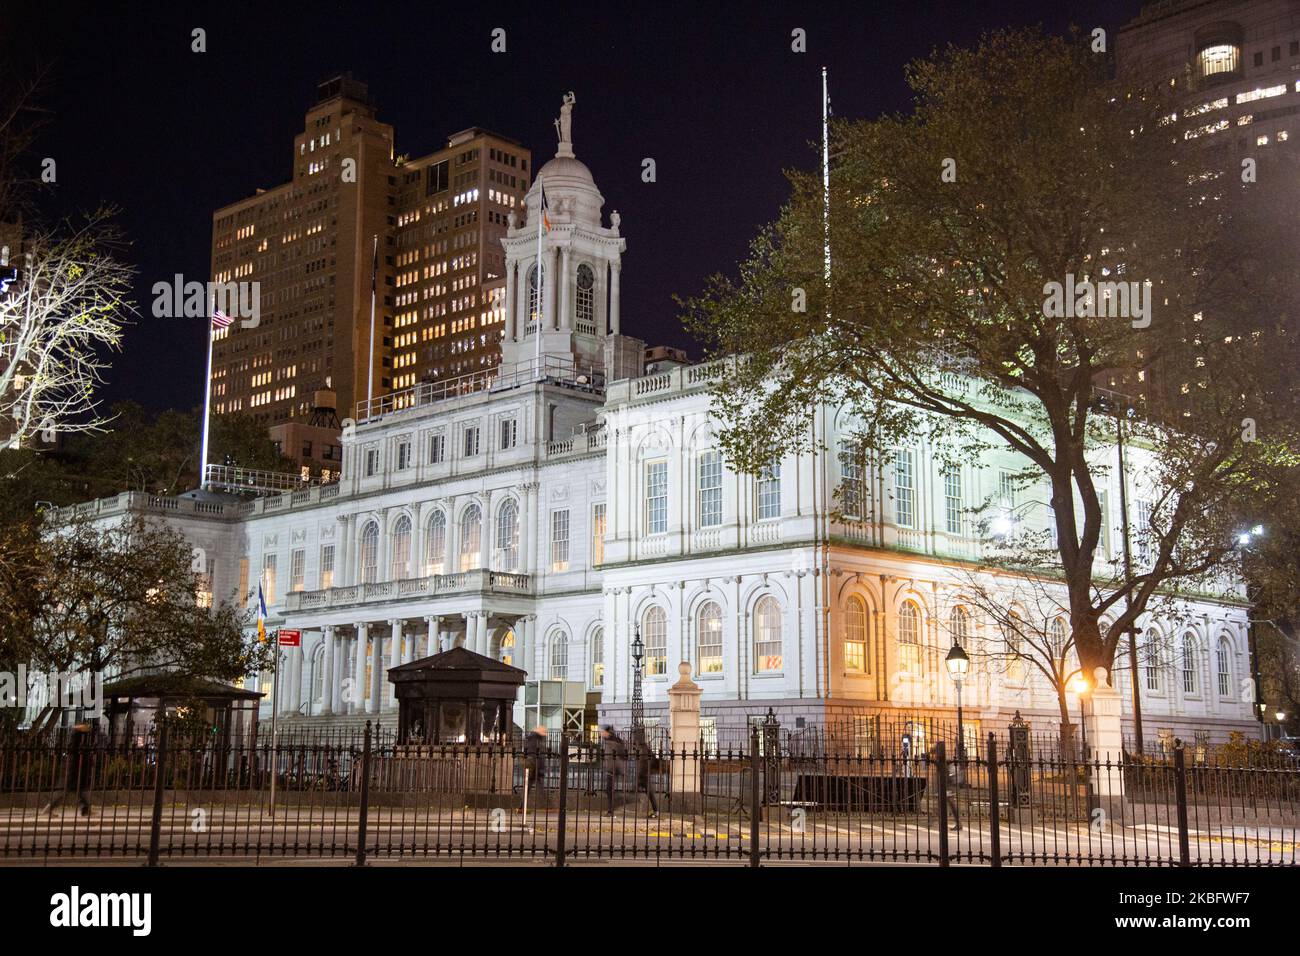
column 114, row 599
column 935, row 321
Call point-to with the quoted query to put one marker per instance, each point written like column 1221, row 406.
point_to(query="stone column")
column 395, row 659
column 484, row 537
column 376, row 675
column 525, row 530
column 357, row 703
column 566, row 318
column 408, row 652
column 335, row 676
column 684, row 730
column 512, row 300
column 1106, row 741
column 327, row 665
column 294, row 697
column 613, row 298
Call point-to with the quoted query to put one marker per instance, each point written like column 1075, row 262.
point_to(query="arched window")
column 1189, row 663
column 318, row 673
column 400, row 566
column 708, row 643
column 584, row 301
column 559, row 657
column 959, row 624
column 1151, row 651
column 1223, row 665
column 503, row 647
column 370, row 553
column 767, row 635
column 654, row 633
column 909, row 639
column 471, row 538
column 1057, row 635
column 597, row 657
column 1013, row 636
column 435, row 544
column 534, row 307
column 508, row 537
column 855, row 635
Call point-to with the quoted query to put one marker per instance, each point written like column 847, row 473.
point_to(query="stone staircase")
column 347, row 724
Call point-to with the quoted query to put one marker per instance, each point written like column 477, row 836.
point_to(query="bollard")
column 155, row 823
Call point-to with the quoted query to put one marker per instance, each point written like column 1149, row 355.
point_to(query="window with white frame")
column 268, row 578
column 1013, row 636
column 1189, row 663
column 768, row 634
column 370, row 553
column 953, row 503
column 297, row 569
column 1154, row 663
column 597, row 657
column 534, row 302
column 855, row 635
column 1057, row 635
column 654, row 634
column 400, row 561
column 471, row 538
column 598, row 533
column 509, row 433
column 1223, row 667
column 507, row 538
column 372, row 462
column 910, row 660
column 403, row 454
column 559, row 669
column 437, row 448
column 327, row 566
column 769, row 491
column 435, row 544
column 469, row 446
column 584, row 304
column 1142, row 532
column 710, row 487
column 959, row 624
column 560, row 540
column 852, row 488
column 905, row 488
column 708, row 643
column 656, row 496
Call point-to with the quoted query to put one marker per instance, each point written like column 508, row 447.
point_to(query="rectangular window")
column 656, row 497
column 598, row 533
column 952, row 500
column 509, row 432
column 710, row 484
column 1142, row 532
column 327, row 566
column 905, row 489
column 297, row 570
column 437, row 449
column 471, row 441
column 403, row 455
column 769, row 491
column 852, row 499
column 1007, row 490
column 560, row 540
column 243, row 581
column 372, row 462
column 268, row 579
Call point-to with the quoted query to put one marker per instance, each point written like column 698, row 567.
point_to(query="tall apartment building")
column 310, row 244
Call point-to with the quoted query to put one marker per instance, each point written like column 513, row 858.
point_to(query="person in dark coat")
column 76, row 772
column 955, row 823
column 614, row 762
column 536, row 746
column 644, row 761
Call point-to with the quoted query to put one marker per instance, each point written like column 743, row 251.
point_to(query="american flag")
column 220, row 320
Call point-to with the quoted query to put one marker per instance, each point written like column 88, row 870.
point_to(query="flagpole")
column 370, row 372
column 207, row 406
column 826, row 176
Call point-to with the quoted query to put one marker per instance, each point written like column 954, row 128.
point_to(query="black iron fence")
column 361, row 797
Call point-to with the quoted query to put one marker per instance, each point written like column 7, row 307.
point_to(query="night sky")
column 713, row 94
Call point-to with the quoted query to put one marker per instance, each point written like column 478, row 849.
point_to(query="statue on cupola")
column 564, row 125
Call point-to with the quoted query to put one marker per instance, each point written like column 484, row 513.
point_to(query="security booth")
column 225, row 714
column 456, row 697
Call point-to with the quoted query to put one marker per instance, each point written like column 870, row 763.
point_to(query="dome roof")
column 571, row 193
column 566, row 171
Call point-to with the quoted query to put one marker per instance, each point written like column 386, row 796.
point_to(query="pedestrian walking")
column 952, row 785
column 613, row 760
column 644, row 763
column 78, row 766
column 535, row 749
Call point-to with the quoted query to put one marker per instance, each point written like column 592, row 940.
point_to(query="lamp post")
column 958, row 663
column 1081, row 686
column 638, row 705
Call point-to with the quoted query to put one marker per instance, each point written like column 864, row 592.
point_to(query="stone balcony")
column 478, row 581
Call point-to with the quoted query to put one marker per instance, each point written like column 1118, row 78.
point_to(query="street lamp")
column 958, row 663
column 638, row 705
column 1079, row 684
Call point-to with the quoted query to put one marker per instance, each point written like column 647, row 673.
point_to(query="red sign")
column 290, row 638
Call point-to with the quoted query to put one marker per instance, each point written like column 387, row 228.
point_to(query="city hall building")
column 546, row 511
